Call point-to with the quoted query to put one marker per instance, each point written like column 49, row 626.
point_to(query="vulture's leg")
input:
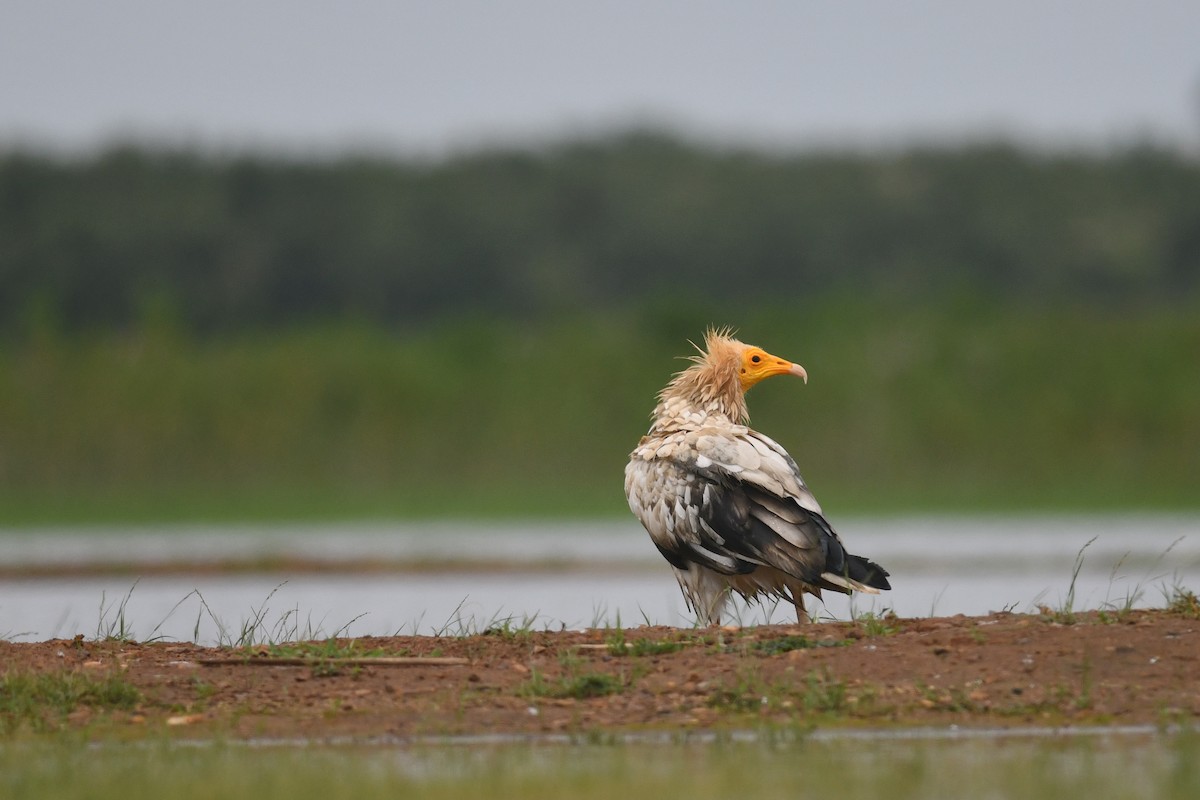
column 802, row 615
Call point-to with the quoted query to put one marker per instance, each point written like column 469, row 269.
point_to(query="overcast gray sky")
column 434, row 76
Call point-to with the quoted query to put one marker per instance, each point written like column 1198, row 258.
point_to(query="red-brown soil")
column 1000, row 670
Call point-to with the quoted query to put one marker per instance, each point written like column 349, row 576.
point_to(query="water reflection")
column 432, row 578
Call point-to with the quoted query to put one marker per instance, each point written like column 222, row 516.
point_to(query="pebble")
column 184, row 719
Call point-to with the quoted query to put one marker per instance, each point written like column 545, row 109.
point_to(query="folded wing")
column 743, row 505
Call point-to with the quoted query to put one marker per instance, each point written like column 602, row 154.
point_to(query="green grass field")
column 1032, row 768
column 958, row 406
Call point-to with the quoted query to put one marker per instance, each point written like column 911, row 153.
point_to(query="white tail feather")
column 846, row 583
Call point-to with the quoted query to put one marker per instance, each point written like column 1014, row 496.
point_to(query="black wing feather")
column 734, row 510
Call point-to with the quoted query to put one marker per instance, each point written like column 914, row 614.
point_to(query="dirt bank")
column 1003, row 669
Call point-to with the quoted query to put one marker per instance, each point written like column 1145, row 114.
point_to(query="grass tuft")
column 578, row 686
column 112, row 624
column 43, row 699
column 785, row 644
column 618, row 645
column 1183, row 601
column 881, row 624
column 1065, row 614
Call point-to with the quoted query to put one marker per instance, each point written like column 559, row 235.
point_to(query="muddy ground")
column 1000, row 670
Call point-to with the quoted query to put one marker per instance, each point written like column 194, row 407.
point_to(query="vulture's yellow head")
column 724, row 370
column 757, row 364
column 724, row 354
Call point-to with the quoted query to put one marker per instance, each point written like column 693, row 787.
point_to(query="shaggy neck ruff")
column 710, row 386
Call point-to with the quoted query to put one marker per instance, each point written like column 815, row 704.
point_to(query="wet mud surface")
column 1002, row 670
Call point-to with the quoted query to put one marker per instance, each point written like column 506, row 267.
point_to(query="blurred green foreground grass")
column 962, row 405
column 1161, row 767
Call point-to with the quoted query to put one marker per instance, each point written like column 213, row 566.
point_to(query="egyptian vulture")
column 725, row 505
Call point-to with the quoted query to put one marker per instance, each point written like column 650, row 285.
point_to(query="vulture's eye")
column 755, row 359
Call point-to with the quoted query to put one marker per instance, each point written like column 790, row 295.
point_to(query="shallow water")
column 552, row 575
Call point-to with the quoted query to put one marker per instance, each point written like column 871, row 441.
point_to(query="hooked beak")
column 764, row 365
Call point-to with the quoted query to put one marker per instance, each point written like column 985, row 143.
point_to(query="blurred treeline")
column 186, row 334
column 251, row 242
